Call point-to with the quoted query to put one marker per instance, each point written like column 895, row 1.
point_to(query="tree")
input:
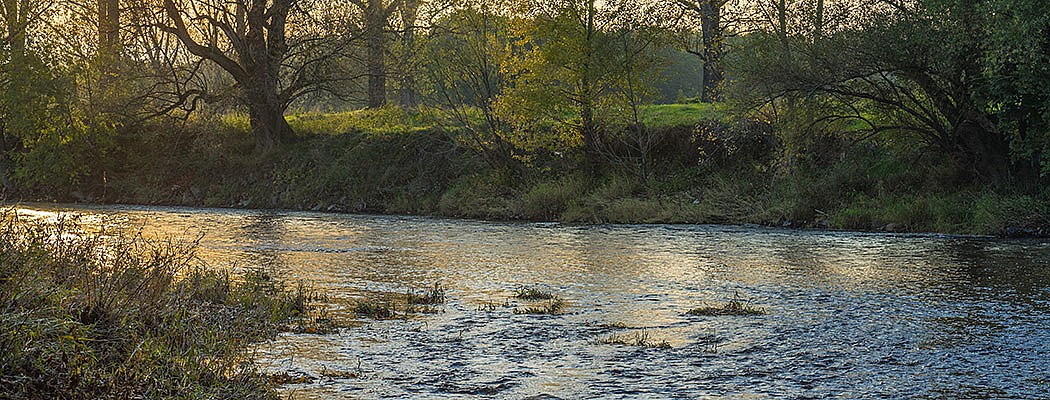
column 713, row 32
column 464, row 58
column 254, row 49
column 902, row 71
column 1015, row 60
column 375, row 18
column 407, row 92
column 24, row 80
column 568, row 66
column 109, row 43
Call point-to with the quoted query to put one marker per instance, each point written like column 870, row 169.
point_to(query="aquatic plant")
column 737, row 306
column 316, row 324
column 289, row 378
column 389, row 306
column 533, row 293
column 341, row 373
column 431, row 296
column 493, row 305
column 553, row 306
column 375, row 308
column 636, row 339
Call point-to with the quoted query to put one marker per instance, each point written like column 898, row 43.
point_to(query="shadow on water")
column 845, row 314
column 262, row 236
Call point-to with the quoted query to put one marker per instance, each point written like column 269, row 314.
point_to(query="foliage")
column 436, row 294
column 1015, row 58
column 581, row 65
column 931, row 75
column 464, row 69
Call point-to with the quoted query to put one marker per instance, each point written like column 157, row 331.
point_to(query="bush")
column 746, row 141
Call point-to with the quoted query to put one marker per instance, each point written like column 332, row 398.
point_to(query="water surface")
column 849, row 315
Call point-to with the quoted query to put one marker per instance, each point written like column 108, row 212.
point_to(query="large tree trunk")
column 266, row 112
column 588, row 91
column 15, row 17
column 269, row 127
column 588, row 128
column 818, row 23
column 375, row 22
column 711, row 26
column 109, row 43
column 265, row 39
column 19, row 86
column 8, row 186
column 407, row 96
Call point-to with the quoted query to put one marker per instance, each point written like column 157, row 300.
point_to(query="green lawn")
column 393, row 119
column 659, row 115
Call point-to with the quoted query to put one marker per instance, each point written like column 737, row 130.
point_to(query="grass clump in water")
column 735, row 307
column 431, row 296
column 636, row 339
column 533, row 293
column 553, row 306
column 288, row 378
column 613, row 325
column 296, row 306
column 389, row 306
column 376, row 308
column 113, row 315
column 493, row 305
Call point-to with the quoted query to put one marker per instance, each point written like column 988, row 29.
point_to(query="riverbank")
column 701, row 166
column 109, row 314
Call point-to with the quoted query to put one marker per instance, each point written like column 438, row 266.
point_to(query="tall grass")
column 112, row 315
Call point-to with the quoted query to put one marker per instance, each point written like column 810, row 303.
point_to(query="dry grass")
column 112, row 315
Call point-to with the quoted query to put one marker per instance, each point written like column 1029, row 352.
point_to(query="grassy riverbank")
column 702, row 165
column 111, row 315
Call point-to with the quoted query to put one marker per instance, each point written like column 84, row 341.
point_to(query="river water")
column 849, row 315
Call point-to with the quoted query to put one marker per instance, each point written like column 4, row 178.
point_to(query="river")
column 851, row 315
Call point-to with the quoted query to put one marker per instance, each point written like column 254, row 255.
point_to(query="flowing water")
column 849, row 315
